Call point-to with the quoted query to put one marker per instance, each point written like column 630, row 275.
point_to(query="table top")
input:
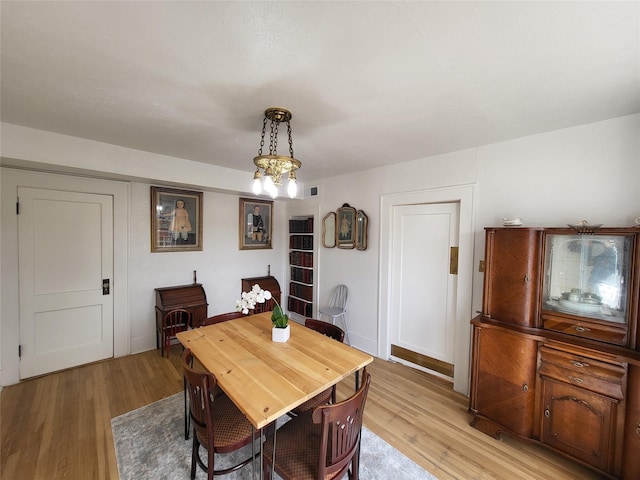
column 266, row 379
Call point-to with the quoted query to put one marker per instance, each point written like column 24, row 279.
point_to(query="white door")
column 65, row 255
column 423, row 289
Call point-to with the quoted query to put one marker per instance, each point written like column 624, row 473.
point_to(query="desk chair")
column 321, row 444
column 337, row 307
column 218, row 425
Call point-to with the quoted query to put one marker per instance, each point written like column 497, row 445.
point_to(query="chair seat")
column 233, row 430
column 332, row 311
column 300, row 439
column 320, row 399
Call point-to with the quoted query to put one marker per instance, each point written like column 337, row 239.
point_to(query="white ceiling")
column 368, row 83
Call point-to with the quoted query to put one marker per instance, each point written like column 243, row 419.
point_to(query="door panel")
column 423, row 296
column 65, row 252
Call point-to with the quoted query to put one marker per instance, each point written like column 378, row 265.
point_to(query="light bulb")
column 292, row 188
column 268, row 183
column 257, row 187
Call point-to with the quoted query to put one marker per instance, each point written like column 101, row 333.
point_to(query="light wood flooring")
column 58, row 426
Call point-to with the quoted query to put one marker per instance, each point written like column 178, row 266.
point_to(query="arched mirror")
column 329, row 230
column 362, row 227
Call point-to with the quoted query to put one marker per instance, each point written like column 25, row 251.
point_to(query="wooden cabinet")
column 581, row 393
column 512, row 265
column 190, row 297
column 504, row 378
column 565, row 374
column 631, row 447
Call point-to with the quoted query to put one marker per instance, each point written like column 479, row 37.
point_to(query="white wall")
column 588, row 172
column 220, row 265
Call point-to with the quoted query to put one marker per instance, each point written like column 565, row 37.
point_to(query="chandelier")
column 270, row 168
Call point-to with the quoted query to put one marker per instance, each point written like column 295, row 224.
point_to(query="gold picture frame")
column 256, row 224
column 176, row 220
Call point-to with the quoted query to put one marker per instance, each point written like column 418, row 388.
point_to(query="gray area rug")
column 150, row 444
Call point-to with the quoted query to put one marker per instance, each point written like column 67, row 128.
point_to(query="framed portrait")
column 176, row 220
column 346, row 227
column 256, row 224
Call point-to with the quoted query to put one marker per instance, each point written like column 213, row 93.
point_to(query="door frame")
column 11, row 178
column 465, row 195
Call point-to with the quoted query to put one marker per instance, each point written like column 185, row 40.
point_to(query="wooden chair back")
column 218, row 425
column 325, row 328
column 174, row 321
column 222, row 317
column 341, row 432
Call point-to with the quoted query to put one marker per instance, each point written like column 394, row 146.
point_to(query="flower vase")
column 281, row 334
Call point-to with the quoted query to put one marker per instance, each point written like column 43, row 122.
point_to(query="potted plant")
column 281, row 330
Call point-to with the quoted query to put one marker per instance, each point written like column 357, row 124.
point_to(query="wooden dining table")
column 267, row 379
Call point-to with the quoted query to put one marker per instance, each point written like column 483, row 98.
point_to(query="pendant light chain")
column 264, row 130
column 290, row 140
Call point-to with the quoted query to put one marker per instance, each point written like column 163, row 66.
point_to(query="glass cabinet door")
column 588, row 276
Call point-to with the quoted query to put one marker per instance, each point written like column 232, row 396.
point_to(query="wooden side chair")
column 320, row 444
column 218, row 425
column 174, row 321
column 337, row 306
column 329, row 395
column 222, row 317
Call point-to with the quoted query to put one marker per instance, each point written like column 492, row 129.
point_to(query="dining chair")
column 337, row 307
column 329, row 395
column 321, row 444
column 174, row 321
column 218, row 425
column 222, row 317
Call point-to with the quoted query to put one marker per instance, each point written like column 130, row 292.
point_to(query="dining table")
column 267, row 379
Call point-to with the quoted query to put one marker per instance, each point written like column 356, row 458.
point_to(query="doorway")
column 66, row 272
column 458, row 306
column 14, row 178
column 423, row 286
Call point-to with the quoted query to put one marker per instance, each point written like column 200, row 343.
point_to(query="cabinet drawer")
column 586, row 372
column 614, row 334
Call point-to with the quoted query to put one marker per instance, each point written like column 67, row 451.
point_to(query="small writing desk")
column 266, row 379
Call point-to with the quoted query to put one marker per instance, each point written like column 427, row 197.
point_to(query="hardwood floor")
column 58, row 426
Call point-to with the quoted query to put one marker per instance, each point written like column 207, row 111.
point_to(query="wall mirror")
column 362, row 227
column 329, row 230
column 345, row 224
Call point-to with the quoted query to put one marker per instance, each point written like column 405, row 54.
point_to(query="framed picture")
column 346, row 227
column 256, row 224
column 176, row 220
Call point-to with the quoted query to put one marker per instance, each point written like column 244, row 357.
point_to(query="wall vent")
column 310, row 192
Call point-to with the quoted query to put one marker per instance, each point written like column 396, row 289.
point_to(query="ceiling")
column 368, row 83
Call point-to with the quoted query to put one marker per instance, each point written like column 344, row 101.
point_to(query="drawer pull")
column 525, row 388
column 580, row 329
column 578, row 364
column 576, row 379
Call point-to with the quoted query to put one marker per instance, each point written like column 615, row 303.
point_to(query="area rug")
column 150, row 444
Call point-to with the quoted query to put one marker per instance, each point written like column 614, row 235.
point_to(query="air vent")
column 310, row 192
